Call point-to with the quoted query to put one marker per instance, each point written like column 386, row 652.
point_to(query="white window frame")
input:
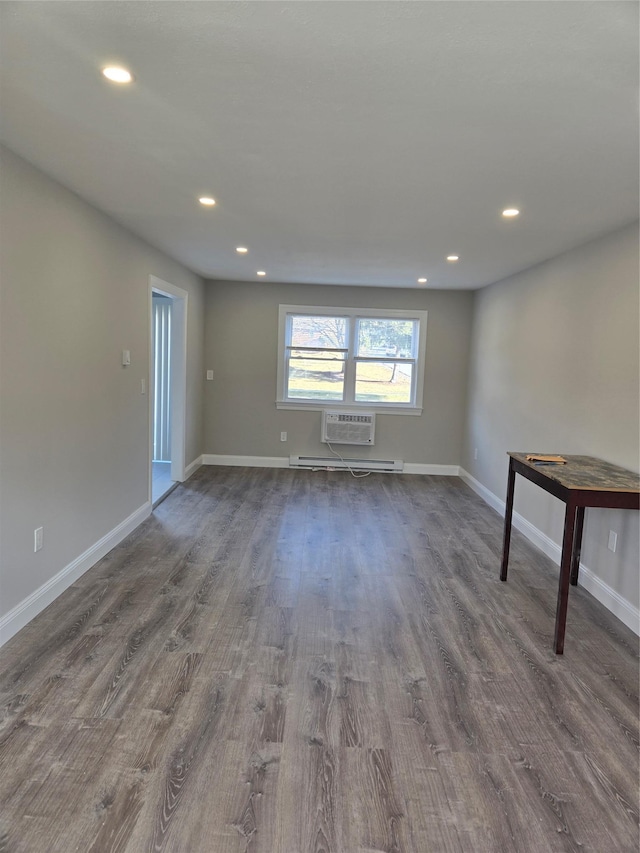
column 352, row 315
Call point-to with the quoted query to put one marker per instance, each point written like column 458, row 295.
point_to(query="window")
column 351, row 357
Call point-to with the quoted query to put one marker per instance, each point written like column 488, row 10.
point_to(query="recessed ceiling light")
column 422, row 281
column 241, row 250
column 261, row 272
column 117, row 75
column 511, row 211
column 453, row 258
column 207, row 201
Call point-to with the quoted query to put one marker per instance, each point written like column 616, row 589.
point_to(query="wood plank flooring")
column 284, row 661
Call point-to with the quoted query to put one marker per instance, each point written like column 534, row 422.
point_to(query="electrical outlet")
column 283, row 436
column 38, row 535
column 209, row 374
column 143, row 386
column 613, row 541
column 475, row 453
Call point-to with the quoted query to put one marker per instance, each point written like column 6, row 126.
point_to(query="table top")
column 586, row 473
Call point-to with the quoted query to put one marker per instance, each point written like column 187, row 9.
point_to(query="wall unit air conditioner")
column 348, row 427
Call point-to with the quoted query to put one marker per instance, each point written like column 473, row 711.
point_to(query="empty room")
column 319, row 426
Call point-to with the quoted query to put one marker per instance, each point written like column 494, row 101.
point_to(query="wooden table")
column 582, row 482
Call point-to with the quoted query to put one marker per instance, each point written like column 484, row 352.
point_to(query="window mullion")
column 350, row 364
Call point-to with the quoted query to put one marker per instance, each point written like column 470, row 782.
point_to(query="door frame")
column 179, row 308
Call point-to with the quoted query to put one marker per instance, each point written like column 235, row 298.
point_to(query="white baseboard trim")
column 487, row 496
column 612, row 600
column 434, row 470
column 192, row 467
column 602, row 592
column 33, row 604
column 283, row 462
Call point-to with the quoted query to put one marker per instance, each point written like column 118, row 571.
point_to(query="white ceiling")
column 345, row 142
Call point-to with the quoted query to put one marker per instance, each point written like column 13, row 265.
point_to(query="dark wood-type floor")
column 285, row 661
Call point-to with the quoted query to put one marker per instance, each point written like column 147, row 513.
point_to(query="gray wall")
column 74, row 427
column 549, row 359
column 241, row 347
column 554, row 368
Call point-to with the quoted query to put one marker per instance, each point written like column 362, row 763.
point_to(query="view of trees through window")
column 380, row 351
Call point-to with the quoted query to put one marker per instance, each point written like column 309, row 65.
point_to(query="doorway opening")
column 167, row 388
column 161, row 482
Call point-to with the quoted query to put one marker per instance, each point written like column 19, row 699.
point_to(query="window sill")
column 348, row 407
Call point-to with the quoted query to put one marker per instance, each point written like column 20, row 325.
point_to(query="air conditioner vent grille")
column 348, row 427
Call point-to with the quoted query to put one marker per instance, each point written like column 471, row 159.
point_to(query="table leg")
column 565, row 576
column 577, row 546
column 508, row 513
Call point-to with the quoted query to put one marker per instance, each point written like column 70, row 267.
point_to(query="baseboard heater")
column 389, row 466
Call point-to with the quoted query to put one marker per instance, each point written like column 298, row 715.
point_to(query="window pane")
column 365, row 357
column 383, row 382
column 395, row 338
column 318, row 332
column 316, row 378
